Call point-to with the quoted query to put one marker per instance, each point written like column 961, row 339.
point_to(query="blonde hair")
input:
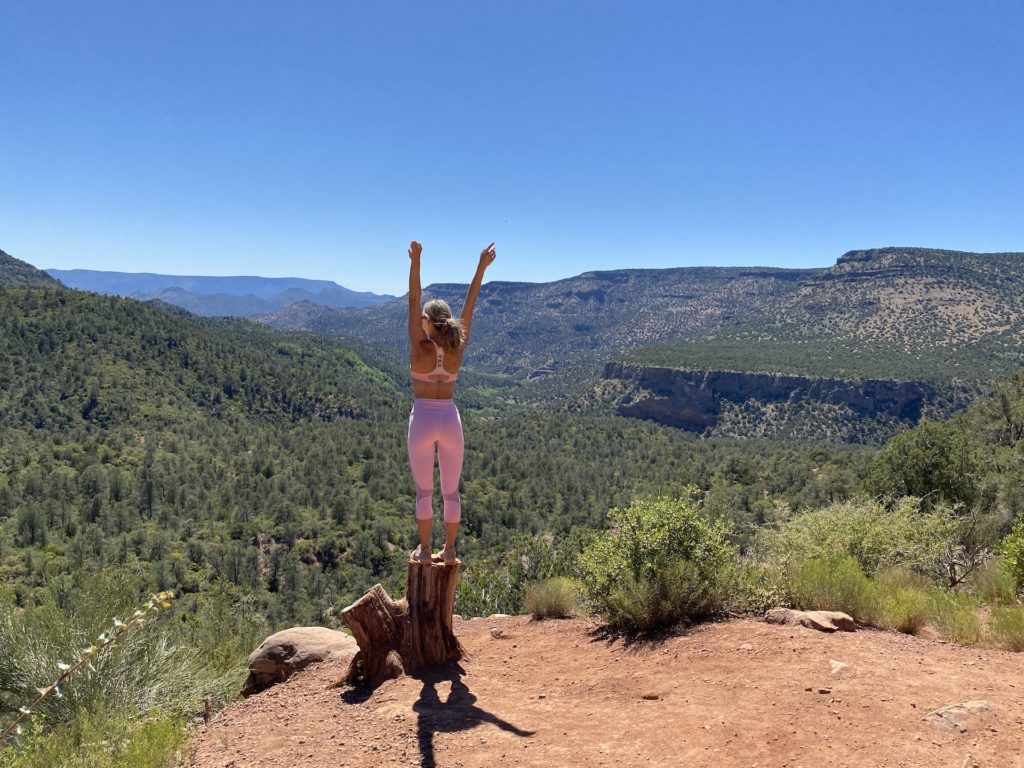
column 449, row 331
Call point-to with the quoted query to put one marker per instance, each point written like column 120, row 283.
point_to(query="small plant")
column 553, row 598
column 154, row 605
column 1007, row 627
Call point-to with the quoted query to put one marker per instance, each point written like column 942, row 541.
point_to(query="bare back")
column 422, row 356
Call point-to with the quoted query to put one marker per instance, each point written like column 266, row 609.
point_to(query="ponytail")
column 449, row 334
column 449, row 330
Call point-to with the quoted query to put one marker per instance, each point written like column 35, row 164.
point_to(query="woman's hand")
column 415, row 250
column 487, row 256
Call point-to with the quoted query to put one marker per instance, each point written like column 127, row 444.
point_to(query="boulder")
column 823, row 621
column 285, row 652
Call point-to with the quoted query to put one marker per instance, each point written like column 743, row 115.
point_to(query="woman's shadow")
column 458, row 713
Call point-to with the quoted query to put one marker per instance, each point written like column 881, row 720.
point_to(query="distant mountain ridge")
column 932, row 312
column 241, row 296
column 885, row 312
column 523, row 325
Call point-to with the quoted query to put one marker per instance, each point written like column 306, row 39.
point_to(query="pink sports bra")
column 437, row 376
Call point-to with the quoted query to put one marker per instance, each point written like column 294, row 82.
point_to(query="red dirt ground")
column 558, row 693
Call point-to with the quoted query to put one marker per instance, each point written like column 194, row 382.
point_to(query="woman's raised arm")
column 415, row 292
column 487, row 257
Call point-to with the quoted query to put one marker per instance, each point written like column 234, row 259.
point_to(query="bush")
column 995, row 584
column 102, row 741
column 833, row 584
column 933, row 461
column 1012, row 550
column 141, row 687
column 759, row 587
column 955, row 617
column 553, row 598
column 865, row 530
column 1007, row 627
column 677, row 592
column 498, row 584
column 903, row 600
column 662, row 562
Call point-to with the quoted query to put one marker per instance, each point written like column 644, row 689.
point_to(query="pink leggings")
column 436, row 423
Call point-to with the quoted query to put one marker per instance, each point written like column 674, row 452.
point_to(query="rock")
column 746, row 647
column 838, row 668
column 285, row 652
column 496, row 632
column 694, row 399
column 823, row 621
column 959, row 717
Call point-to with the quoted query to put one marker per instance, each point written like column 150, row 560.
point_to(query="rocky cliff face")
column 694, row 399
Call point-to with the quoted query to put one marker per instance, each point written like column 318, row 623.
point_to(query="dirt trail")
column 557, row 693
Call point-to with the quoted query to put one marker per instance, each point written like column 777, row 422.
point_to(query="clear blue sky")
column 316, row 139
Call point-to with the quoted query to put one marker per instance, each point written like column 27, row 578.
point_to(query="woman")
column 437, row 344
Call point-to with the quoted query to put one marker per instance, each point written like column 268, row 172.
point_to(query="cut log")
column 408, row 635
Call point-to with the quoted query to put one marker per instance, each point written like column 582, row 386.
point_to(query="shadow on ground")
column 458, row 713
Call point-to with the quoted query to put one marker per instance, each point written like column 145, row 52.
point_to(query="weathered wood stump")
column 408, row 635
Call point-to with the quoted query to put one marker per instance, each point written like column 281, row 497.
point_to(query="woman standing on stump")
column 437, row 344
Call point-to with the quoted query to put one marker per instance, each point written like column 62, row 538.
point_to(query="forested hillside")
column 193, row 450
column 902, row 313
column 261, row 476
column 14, row 272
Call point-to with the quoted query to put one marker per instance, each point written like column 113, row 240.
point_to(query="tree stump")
column 408, row 635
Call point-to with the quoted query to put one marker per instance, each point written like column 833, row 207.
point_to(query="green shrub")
column 905, row 610
column 553, row 598
column 933, row 461
column 1012, row 550
column 498, row 584
column 663, row 561
column 1007, row 627
column 833, row 584
column 995, row 584
column 955, row 617
column 144, row 685
column 903, row 600
column 865, row 530
column 102, row 741
column 759, row 587
column 677, row 592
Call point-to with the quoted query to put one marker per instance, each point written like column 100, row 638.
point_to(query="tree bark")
column 409, row 635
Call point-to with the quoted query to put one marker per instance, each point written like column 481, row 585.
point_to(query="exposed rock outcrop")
column 692, row 399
